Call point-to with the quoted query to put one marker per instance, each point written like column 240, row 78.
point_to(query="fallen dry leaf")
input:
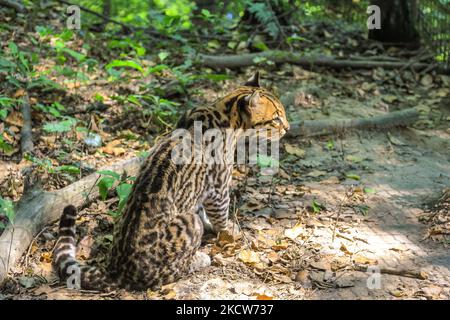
column 316, row 173
column 249, row 256
column 273, row 256
column 296, row 151
column 364, row 260
column 397, row 293
column 19, row 93
column 330, row 180
column 281, row 245
column 321, row 265
column 263, row 297
column 84, row 247
column 224, row 237
column 15, row 118
column 251, row 205
column 294, row 232
column 344, row 249
column 112, row 148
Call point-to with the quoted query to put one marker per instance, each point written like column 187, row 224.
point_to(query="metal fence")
column 434, row 27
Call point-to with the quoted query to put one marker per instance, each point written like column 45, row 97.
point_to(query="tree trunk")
column 106, row 13
column 398, row 19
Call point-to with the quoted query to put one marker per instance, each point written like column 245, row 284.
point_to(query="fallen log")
column 312, row 128
column 38, row 208
column 13, row 4
column 277, row 56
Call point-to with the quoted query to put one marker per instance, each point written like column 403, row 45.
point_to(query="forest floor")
column 371, row 190
column 340, row 203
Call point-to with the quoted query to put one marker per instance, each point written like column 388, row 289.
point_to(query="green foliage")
column 4, row 146
column 330, row 145
column 123, row 189
column 265, row 16
column 170, row 16
column 19, row 67
column 46, row 165
column 162, row 110
column 6, row 210
column 54, row 109
column 68, row 169
column 60, row 126
column 124, row 64
column 127, row 46
column 264, row 161
column 6, row 104
column 104, row 185
column 352, row 176
column 316, row 206
column 362, row 209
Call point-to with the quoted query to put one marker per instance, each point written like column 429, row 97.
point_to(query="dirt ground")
column 340, row 204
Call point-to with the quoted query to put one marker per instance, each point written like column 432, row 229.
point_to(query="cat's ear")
column 253, row 81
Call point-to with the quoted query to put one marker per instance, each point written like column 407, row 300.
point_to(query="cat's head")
column 260, row 109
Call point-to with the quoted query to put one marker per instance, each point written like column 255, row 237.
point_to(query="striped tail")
column 64, row 260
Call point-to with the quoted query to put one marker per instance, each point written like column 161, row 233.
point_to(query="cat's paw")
column 200, row 260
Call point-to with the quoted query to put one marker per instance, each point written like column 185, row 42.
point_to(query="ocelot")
column 157, row 237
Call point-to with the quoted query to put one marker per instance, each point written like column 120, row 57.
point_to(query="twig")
column 418, row 274
column 31, row 245
column 344, row 237
column 341, row 205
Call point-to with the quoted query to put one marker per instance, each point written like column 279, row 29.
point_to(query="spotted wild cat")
column 156, row 239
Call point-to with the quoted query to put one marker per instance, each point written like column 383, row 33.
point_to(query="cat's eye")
column 278, row 120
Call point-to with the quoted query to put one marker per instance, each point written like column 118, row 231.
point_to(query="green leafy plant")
column 54, row 109
column 316, row 207
column 124, row 64
column 265, row 16
column 264, row 161
column 6, row 210
column 6, row 104
column 46, row 165
column 123, row 189
column 60, row 126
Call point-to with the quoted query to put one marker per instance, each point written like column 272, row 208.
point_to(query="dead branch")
column 26, row 140
column 250, row 59
column 13, row 4
column 311, row 128
column 38, row 208
column 418, row 274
